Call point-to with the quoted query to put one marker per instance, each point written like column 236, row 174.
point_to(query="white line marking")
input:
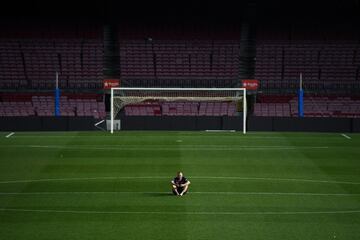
column 136, row 146
column 282, row 179
column 99, row 123
column 79, row 179
column 169, row 177
column 181, row 213
column 241, row 136
column 219, row 130
column 345, row 136
column 9, row 135
column 279, row 193
column 200, row 193
column 168, row 148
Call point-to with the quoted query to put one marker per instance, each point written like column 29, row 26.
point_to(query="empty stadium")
column 257, row 103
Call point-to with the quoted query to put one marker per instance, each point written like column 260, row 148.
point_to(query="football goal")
column 124, row 96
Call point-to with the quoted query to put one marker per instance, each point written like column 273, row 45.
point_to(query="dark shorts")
column 179, row 191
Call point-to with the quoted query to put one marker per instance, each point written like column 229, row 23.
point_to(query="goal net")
column 122, row 97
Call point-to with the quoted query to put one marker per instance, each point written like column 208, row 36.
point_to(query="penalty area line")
column 10, row 134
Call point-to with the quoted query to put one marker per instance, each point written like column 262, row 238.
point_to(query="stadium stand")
column 43, row 105
column 328, row 59
column 179, row 59
column 30, row 60
column 314, row 106
column 32, row 63
column 182, row 109
column 323, row 65
column 12, row 74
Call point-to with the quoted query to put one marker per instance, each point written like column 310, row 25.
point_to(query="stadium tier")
column 323, row 65
column 182, row 109
column 43, row 105
column 179, row 59
column 314, row 106
column 32, row 63
column 163, row 58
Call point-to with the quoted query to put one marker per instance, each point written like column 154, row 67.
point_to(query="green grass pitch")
column 94, row 185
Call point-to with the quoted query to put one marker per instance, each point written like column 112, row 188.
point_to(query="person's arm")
column 185, row 186
column 174, row 184
column 174, row 187
column 187, row 183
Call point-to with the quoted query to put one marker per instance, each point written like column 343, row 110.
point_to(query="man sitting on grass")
column 180, row 184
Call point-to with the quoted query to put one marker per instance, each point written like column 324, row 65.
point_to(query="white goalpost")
column 122, row 96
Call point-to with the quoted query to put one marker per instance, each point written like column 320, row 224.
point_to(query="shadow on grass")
column 158, row 194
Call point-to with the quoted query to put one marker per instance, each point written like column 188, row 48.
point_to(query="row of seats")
column 313, row 107
column 179, row 58
column 182, row 109
column 272, row 109
column 45, row 106
column 280, row 63
column 32, row 63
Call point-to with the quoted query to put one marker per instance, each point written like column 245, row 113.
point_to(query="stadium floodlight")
column 122, row 96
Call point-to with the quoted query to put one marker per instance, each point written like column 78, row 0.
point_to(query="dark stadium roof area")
column 178, row 11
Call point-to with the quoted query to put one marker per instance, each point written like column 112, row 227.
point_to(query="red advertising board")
column 111, row 83
column 250, row 84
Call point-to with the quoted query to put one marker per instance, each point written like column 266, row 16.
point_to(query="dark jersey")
column 177, row 181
